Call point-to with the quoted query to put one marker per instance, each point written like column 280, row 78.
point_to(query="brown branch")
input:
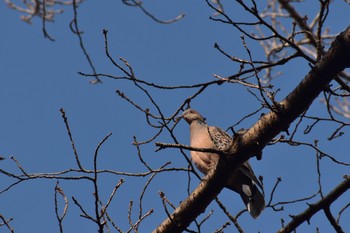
column 257, row 137
column 146, row 12
column 171, row 145
column 96, row 189
column 342, row 211
column 232, row 218
column 301, row 21
column 332, row 220
column 74, row 26
column 104, row 208
column 65, row 119
column 6, row 223
column 59, row 217
column 44, row 19
column 314, row 208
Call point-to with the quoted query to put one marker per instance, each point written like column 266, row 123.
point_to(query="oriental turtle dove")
column 243, row 180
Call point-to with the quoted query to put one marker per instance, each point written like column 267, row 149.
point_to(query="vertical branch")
column 59, row 217
column 322, row 17
column 95, row 181
column 318, row 158
column 75, row 29
column 46, row 35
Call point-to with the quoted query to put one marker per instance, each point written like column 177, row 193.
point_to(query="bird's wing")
column 247, row 170
column 220, row 138
column 223, row 141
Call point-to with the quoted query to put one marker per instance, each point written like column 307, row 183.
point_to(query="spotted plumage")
column 243, row 180
column 220, row 138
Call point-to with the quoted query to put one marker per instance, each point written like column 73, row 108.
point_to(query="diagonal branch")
column 314, row 208
column 257, row 137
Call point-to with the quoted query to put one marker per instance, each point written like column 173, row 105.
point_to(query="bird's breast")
column 200, row 138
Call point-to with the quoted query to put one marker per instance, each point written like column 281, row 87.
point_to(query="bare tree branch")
column 314, row 208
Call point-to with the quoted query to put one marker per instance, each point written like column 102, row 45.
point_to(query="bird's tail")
column 253, row 199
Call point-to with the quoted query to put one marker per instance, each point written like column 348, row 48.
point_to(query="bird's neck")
column 198, row 126
column 199, row 122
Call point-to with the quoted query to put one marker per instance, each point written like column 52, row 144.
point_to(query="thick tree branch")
column 256, row 138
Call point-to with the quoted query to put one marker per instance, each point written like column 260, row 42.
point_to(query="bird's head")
column 191, row 115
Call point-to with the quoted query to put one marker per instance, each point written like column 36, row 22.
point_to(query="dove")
column 243, row 180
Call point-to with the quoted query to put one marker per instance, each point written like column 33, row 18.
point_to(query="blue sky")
column 39, row 77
